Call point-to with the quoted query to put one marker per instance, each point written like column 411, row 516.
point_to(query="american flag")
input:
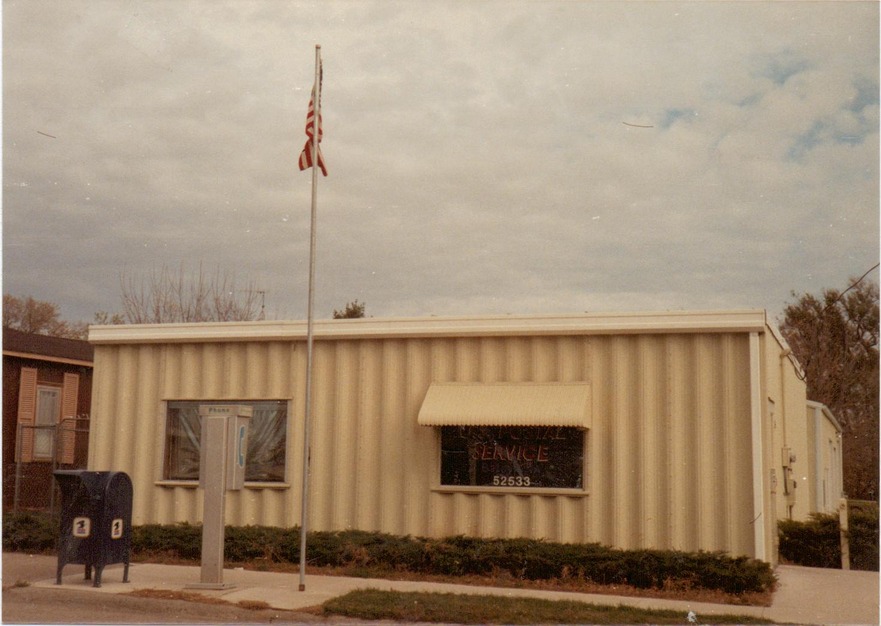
column 306, row 154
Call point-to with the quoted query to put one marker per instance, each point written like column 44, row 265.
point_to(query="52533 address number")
column 510, row 481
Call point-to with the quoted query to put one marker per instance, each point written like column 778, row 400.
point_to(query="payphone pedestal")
column 221, row 468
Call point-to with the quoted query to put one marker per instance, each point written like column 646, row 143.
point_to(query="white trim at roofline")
column 826, row 413
column 498, row 325
column 787, row 351
column 48, row 359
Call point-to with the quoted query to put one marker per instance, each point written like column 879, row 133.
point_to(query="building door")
column 48, row 414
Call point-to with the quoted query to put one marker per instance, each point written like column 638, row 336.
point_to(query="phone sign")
column 240, row 448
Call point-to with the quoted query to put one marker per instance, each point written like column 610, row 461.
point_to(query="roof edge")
column 753, row 320
column 34, row 356
column 827, row 413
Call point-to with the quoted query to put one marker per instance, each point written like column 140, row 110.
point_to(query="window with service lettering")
column 512, row 456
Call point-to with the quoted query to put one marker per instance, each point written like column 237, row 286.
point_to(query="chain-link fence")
column 39, row 451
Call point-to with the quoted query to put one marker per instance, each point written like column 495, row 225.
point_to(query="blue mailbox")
column 96, row 521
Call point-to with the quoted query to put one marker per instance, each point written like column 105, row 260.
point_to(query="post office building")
column 679, row 430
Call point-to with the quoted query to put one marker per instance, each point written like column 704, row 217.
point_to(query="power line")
column 816, row 337
column 857, row 282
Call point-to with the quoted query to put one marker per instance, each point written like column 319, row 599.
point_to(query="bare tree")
column 166, row 296
column 103, row 318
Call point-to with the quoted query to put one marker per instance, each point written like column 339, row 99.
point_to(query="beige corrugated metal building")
column 823, row 473
column 657, row 430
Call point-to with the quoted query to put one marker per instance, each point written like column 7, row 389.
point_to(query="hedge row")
column 540, row 560
column 817, row 542
column 453, row 556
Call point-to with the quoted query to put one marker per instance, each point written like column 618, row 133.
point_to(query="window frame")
column 583, row 491
column 47, row 430
column 163, row 439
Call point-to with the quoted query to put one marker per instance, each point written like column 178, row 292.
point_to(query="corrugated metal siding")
column 824, row 458
column 831, row 477
column 668, row 454
column 788, row 429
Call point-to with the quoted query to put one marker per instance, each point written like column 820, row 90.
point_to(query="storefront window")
column 540, row 457
column 267, row 440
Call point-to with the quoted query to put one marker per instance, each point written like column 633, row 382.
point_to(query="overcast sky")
column 484, row 157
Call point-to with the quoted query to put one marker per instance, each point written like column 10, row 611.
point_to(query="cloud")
column 478, row 156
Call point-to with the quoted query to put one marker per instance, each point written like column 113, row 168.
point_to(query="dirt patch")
column 167, row 594
column 188, row 596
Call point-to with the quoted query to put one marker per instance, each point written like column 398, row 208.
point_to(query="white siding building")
column 661, row 430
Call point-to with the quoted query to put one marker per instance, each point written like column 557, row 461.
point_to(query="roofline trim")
column 827, row 413
column 482, row 326
column 33, row 356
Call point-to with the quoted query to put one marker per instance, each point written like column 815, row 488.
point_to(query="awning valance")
column 506, row 404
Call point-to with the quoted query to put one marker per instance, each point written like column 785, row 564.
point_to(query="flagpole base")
column 302, row 587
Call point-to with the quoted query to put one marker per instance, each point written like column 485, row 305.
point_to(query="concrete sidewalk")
column 805, row 595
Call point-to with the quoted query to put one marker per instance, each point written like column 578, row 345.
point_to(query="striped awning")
column 506, row 404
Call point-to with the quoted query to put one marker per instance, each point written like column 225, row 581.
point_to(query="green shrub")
column 817, row 542
column 30, row 532
column 182, row 540
column 538, row 560
column 372, row 554
column 813, row 543
column 863, row 536
column 252, row 543
column 399, row 553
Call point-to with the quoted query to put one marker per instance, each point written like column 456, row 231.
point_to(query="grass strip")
column 375, row 604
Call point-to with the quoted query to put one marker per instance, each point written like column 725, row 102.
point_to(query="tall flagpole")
column 306, row 424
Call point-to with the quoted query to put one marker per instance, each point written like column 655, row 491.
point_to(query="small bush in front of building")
column 863, row 536
column 182, row 541
column 30, row 532
column 403, row 554
column 244, row 544
column 812, row 543
column 350, row 548
column 817, row 541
